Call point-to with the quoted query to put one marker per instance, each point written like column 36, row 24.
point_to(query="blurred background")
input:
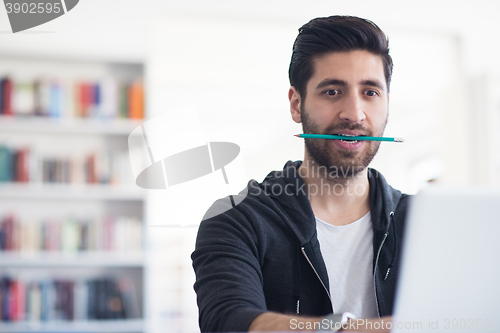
column 84, row 249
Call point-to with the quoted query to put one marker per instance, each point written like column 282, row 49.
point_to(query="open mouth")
column 348, row 140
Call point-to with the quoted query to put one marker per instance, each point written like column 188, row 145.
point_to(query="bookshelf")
column 71, row 126
column 120, row 326
column 72, row 229
column 73, row 192
column 92, row 259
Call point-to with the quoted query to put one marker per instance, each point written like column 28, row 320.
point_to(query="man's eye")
column 332, row 92
column 371, row 93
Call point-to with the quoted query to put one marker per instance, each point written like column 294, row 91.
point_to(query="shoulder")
column 262, row 208
column 257, row 197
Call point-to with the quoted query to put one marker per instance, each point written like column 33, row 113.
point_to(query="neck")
column 338, row 200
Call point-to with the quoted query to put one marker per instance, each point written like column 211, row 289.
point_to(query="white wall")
column 231, row 70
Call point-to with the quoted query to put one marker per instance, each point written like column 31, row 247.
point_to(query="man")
column 323, row 235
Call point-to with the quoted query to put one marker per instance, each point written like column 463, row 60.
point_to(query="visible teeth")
column 348, row 141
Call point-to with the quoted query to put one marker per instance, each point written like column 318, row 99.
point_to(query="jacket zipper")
column 375, row 273
column 314, row 269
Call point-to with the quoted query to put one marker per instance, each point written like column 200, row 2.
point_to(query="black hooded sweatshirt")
column 263, row 254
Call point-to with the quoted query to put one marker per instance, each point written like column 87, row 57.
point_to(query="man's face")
column 347, row 94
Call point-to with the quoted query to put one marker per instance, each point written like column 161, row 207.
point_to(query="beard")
column 339, row 165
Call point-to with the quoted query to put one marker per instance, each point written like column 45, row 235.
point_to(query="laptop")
column 450, row 274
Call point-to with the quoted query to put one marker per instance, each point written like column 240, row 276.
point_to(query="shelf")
column 84, row 259
column 75, row 126
column 111, row 326
column 71, row 192
column 100, row 141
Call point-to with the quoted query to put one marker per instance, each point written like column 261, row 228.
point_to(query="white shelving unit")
column 54, row 259
column 116, row 326
column 70, row 192
column 39, row 200
column 76, row 126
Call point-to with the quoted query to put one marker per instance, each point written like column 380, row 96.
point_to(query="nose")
column 352, row 109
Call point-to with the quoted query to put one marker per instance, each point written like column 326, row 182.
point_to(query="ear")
column 295, row 103
column 387, row 109
column 388, row 95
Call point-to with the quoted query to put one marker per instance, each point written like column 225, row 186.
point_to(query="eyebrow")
column 331, row 82
column 373, row 83
column 337, row 82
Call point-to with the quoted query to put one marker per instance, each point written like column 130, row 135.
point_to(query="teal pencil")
column 341, row 137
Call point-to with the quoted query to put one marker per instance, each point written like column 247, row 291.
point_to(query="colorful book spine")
column 26, row 165
column 67, row 300
column 136, row 101
column 107, row 98
column 7, row 90
column 107, row 234
column 6, row 164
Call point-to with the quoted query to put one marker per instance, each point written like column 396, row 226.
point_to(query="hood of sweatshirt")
column 286, row 188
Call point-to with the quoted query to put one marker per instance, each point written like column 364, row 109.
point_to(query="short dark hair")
column 335, row 34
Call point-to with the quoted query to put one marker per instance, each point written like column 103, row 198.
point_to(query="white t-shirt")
column 348, row 254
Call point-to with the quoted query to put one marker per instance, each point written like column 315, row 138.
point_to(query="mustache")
column 347, row 126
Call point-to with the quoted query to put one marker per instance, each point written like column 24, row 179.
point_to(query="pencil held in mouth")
column 346, row 137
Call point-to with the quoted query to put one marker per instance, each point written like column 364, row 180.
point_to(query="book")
column 7, row 90
column 23, row 100
column 129, row 298
column 80, row 300
column 6, row 164
column 47, row 300
column 5, row 292
column 1, row 95
column 107, row 98
column 136, row 101
column 56, row 101
column 124, row 100
column 34, row 302
column 122, row 234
